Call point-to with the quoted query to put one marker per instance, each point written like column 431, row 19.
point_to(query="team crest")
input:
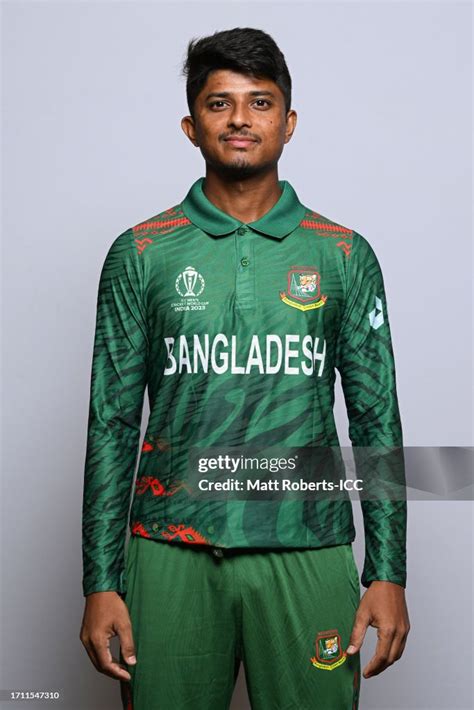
column 329, row 653
column 303, row 290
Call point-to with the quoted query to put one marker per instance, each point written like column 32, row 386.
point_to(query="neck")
column 247, row 199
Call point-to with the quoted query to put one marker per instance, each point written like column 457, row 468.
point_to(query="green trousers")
column 197, row 612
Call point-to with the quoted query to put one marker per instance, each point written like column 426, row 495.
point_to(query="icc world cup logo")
column 190, row 282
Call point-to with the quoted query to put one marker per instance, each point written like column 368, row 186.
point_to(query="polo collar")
column 280, row 220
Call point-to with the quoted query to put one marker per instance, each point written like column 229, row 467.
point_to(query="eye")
column 259, row 101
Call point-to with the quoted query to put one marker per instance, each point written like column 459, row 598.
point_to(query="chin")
column 238, row 168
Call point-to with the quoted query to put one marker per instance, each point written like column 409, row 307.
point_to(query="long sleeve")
column 364, row 358
column 118, row 381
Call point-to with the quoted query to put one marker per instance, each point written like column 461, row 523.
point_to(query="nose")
column 240, row 115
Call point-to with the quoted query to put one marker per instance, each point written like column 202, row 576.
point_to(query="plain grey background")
column 92, row 100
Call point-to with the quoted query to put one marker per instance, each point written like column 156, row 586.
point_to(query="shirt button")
column 211, row 529
column 241, row 230
column 245, row 261
column 217, row 552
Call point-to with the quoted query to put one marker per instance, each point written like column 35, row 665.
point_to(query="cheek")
column 210, row 143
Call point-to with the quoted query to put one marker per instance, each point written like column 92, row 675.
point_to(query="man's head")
column 238, row 84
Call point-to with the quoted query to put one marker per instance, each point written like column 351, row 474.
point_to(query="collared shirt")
column 236, row 330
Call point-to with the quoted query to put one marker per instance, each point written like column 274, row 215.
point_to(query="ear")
column 189, row 128
column 291, row 120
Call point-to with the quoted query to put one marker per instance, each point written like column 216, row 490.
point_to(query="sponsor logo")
column 376, row 315
column 189, row 284
column 303, row 289
column 329, row 653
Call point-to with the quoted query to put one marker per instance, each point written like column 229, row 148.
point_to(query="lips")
column 239, row 142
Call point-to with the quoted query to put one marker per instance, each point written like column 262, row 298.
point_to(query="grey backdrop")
column 92, row 101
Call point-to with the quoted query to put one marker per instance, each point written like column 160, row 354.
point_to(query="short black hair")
column 241, row 49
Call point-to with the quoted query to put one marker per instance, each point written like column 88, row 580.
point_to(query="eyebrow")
column 224, row 94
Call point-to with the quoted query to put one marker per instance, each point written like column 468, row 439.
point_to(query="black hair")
column 242, row 49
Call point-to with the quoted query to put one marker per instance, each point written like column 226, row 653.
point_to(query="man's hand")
column 105, row 616
column 383, row 606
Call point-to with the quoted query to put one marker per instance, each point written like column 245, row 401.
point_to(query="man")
column 235, row 307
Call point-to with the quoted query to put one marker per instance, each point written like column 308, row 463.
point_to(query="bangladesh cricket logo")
column 303, row 290
column 329, row 653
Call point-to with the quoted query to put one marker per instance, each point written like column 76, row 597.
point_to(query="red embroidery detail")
column 175, row 487
column 160, row 224
column 346, row 248
column 142, row 243
column 155, row 442
column 157, row 488
column 138, row 529
column 309, row 224
column 148, row 482
column 185, row 533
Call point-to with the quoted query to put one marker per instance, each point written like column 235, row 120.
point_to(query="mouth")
column 240, row 142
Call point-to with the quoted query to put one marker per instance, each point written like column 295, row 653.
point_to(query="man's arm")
column 118, row 381
column 366, row 364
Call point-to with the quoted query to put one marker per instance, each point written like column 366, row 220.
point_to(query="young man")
column 235, row 307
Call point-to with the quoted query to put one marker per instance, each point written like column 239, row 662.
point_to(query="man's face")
column 232, row 105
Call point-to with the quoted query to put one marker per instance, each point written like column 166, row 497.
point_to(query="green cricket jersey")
column 237, row 331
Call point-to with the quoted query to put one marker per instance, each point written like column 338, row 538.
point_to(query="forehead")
column 232, row 82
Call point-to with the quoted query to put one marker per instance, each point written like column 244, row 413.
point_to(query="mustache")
column 240, row 135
